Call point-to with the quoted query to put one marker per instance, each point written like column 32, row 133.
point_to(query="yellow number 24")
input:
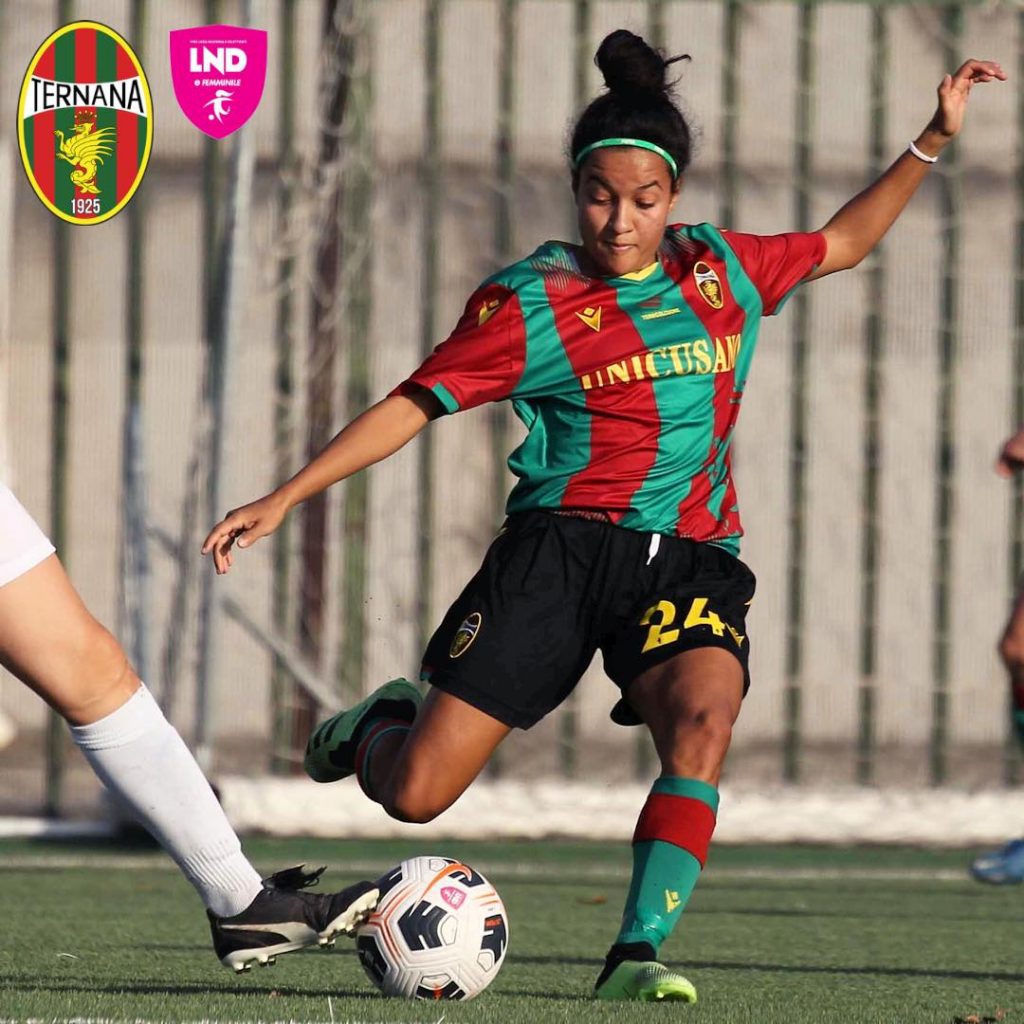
column 660, row 616
column 657, row 632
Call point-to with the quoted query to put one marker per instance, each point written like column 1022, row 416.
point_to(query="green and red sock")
column 670, row 846
column 374, row 731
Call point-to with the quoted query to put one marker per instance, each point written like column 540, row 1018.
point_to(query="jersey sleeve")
column 776, row 264
column 482, row 359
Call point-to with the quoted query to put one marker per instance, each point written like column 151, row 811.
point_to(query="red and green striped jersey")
column 629, row 387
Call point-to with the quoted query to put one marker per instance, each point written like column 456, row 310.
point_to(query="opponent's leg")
column 1006, row 865
column 1011, row 650
column 690, row 704
column 49, row 640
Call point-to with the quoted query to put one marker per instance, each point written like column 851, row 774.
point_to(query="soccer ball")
column 440, row 931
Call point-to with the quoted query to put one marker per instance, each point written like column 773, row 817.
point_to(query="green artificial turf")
column 101, row 932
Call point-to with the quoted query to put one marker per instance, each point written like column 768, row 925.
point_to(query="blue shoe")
column 1001, row 867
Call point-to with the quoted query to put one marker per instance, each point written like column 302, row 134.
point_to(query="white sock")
column 139, row 756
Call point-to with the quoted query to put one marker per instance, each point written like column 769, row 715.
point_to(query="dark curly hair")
column 638, row 103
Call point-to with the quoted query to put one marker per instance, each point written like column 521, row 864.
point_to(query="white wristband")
column 921, row 156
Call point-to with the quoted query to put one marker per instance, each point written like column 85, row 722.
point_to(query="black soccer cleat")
column 282, row 918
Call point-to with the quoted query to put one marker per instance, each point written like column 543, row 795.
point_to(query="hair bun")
column 630, row 66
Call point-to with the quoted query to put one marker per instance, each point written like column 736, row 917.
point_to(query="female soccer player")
column 1006, row 866
column 49, row 640
column 626, row 357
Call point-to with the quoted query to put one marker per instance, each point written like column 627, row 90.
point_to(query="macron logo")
column 591, row 317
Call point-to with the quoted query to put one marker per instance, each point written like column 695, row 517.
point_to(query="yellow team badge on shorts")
column 708, row 284
column 465, row 635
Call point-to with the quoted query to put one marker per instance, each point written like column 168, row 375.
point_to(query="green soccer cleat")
column 646, row 981
column 331, row 750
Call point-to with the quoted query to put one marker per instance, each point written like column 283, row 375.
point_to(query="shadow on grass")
column 731, row 965
column 770, row 912
column 882, row 972
column 205, row 950
column 180, row 989
column 285, row 991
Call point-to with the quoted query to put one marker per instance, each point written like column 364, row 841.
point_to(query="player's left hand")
column 954, row 90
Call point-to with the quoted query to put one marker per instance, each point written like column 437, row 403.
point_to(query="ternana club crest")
column 218, row 73
column 708, row 284
column 85, row 122
column 465, row 635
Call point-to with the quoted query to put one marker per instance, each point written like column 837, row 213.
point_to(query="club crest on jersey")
column 218, row 72
column 85, row 122
column 708, row 284
column 465, row 635
column 591, row 316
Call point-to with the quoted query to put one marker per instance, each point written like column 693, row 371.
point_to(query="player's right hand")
column 1011, row 458
column 244, row 525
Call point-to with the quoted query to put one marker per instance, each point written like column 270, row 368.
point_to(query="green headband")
column 639, row 143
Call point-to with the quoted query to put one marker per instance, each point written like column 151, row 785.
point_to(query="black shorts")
column 553, row 589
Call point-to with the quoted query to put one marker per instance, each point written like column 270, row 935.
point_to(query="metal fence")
column 258, row 292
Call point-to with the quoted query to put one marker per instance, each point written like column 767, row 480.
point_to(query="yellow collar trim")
column 640, row 275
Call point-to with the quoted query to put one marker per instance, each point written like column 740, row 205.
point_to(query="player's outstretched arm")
column 1011, row 458
column 858, row 227
column 369, row 438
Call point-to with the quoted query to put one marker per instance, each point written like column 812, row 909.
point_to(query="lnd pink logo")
column 218, row 73
column 452, row 896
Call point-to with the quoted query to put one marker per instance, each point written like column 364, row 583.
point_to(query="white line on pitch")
column 523, row 869
column 145, row 1020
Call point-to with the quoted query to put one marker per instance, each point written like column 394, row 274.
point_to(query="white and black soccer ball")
column 440, row 931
